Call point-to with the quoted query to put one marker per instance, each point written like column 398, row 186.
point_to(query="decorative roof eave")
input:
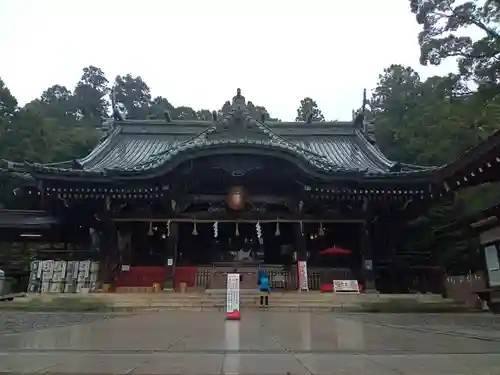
column 245, row 132
column 167, row 162
column 473, row 167
column 492, row 143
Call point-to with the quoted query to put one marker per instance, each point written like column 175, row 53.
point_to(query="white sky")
column 197, row 52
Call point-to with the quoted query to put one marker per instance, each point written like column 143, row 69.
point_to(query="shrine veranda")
column 165, row 202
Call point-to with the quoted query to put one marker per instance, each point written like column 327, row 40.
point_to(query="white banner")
column 302, row 269
column 233, row 292
column 350, row 286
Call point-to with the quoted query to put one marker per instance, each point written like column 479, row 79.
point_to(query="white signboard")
column 170, row 262
column 233, row 292
column 303, row 283
column 345, row 286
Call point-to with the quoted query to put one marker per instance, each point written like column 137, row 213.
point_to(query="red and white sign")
column 233, row 297
column 302, row 269
column 345, row 286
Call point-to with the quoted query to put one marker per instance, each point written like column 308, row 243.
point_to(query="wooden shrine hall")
column 167, row 201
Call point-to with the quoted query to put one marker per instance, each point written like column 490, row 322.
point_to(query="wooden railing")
column 214, row 277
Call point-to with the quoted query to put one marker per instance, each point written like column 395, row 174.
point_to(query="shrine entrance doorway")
column 242, row 247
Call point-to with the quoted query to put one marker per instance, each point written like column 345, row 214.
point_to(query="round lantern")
column 236, row 198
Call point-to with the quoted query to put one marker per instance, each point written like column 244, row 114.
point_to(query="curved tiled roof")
column 135, row 147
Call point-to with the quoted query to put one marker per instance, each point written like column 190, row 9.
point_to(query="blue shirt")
column 264, row 284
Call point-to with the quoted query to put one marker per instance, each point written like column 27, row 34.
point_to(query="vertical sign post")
column 303, row 284
column 233, row 296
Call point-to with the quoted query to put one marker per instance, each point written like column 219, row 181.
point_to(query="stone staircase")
column 215, row 300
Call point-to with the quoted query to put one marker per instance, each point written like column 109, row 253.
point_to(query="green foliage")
column 134, row 94
column 444, row 23
column 90, row 94
column 61, row 124
column 309, row 107
column 8, row 103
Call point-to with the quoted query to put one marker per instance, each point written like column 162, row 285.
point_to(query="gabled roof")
column 140, row 148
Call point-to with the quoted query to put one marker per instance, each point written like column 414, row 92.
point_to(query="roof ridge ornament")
column 238, row 99
column 119, row 110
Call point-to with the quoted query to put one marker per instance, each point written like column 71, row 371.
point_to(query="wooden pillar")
column 108, row 247
column 171, row 255
column 301, row 248
column 368, row 276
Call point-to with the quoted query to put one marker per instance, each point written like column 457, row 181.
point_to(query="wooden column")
column 366, row 228
column 107, row 250
column 301, row 248
column 368, row 277
column 171, row 254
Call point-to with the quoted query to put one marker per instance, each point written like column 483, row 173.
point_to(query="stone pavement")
column 261, row 343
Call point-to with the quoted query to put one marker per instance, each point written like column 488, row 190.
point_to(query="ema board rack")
column 59, row 276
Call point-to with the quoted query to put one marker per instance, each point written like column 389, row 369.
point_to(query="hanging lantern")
column 277, row 233
column 237, row 233
column 168, row 228
column 301, row 228
column 236, row 198
column 216, row 229
column 195, row 230
column 150, row 231
column 321, row 231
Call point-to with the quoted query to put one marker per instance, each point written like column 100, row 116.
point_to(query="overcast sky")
column 197, row 52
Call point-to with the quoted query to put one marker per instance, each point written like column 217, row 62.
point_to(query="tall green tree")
column 134, row 94
column 184, row 113
column 56, row 102
column 309, row 107
column 446, row 26
column 158, row 107
column 91, row 94
column 8, row 103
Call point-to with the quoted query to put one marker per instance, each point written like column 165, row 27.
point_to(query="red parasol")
column 334, row 251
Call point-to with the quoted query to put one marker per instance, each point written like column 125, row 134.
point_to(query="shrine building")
column 168, row 201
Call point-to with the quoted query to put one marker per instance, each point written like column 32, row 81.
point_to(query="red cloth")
column 326, row 288
column 147, row 276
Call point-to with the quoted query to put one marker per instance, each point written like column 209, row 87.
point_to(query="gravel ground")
column 13, row 322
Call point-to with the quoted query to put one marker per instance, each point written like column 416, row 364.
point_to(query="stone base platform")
column 214, row 300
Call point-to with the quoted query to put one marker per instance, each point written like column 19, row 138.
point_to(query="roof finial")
column 239, row 99
column 309, row 117
column 113, row 97
column 117, row 112
column 363, row 105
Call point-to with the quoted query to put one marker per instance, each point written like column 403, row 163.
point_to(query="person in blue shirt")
column 264, row 288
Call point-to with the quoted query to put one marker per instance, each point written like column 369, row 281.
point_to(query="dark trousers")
column 264, row 299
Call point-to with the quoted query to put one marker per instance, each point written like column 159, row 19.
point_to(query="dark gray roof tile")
column 135, row 146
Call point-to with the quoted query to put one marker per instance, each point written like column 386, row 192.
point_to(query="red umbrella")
column 334, row 251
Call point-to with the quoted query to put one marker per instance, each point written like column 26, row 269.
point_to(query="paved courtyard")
column 261, row 343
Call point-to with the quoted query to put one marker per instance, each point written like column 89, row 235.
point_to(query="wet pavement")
column 261, row 343
column 12, row 322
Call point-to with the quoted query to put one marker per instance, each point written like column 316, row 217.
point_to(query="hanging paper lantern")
column 236, row 198
column 237, row 233
column 277, row 233
column 150, row 231
column 195, row 230
column 216, row 229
